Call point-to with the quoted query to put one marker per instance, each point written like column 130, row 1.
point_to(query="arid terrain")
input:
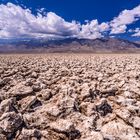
column 70, row 97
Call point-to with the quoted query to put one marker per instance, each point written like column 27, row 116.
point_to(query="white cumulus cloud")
column 16, row 21
column 136, row 32
column 93, row 29
column 126, row 17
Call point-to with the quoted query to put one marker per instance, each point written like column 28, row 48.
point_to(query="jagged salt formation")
column 70, row 97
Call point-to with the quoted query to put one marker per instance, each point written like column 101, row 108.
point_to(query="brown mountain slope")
column 69, row 45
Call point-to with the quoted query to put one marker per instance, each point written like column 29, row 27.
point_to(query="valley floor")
column 70, row 96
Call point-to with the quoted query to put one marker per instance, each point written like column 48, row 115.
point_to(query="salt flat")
column 70, row 96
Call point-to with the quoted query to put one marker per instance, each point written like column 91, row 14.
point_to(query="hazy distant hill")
column 68, row 45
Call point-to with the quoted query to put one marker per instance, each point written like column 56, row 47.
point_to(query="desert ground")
column 70, row 97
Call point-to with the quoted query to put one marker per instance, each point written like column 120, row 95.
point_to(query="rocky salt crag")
column 70, row 97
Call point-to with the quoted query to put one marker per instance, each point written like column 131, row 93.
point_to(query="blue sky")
column 93, row 11
column 80, row 10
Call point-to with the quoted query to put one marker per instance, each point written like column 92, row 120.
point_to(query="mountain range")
column 106, row 45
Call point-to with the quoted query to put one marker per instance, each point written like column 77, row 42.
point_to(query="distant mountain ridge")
column 68, row 45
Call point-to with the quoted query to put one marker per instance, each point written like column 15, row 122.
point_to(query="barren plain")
column 70, row 97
